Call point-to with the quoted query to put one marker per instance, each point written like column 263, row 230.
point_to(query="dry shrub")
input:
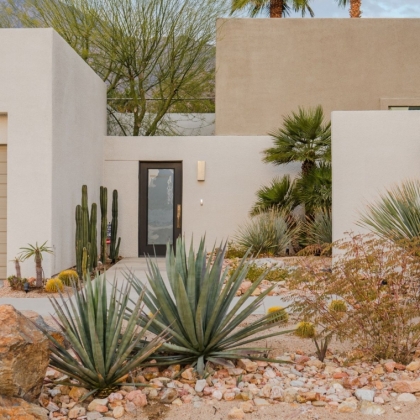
column 379, row 283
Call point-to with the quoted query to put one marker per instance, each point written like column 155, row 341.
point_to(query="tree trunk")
column 38, row 269
column 307, row 166
column 17, row 267
column 276, row 8
column 355, row 6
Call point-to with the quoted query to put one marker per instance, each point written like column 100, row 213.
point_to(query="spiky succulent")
column 103, row 350
column 200, row 308
column 278, row 313
column 337, row 306
column 68, row 276
column 305, row 330
column 54, row 285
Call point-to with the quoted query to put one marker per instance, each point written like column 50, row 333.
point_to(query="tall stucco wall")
column 371, row 152
column 79, row 127
column 55, row 107
column 234, row 172
column 267, row 68
column 25, row 95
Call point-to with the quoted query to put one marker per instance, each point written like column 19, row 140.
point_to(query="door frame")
column 143, row 247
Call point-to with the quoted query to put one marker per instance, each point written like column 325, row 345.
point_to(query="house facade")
column 53, row 136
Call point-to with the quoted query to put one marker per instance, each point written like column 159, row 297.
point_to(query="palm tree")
column 304, row 138
column 36, row 252
column 355, row 5
column 275, row 8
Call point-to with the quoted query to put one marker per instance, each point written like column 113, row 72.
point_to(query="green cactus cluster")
column 86, row 236
column 115, row 245
column 86, row 232
column 104, row 222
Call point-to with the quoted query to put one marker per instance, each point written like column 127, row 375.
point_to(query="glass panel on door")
column 160, row 209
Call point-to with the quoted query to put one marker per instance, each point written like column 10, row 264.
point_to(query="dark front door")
column 160, row 206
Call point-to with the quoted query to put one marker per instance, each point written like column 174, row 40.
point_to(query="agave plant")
column 103, row 351
column 267, row 233
column 396, row 215
column 197, row 304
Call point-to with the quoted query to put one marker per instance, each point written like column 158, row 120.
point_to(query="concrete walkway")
column 139, row 267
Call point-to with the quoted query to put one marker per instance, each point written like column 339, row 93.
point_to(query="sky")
column 370, row 8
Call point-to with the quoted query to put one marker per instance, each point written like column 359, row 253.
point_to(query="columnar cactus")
column 86, row 236
column 115, row 246
column 104, row 222
column 93, row 237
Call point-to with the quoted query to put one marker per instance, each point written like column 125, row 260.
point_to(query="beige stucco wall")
column 3, row 128
column 371, row 152
column 49, row 94
column 234, row 172
column 267, row 68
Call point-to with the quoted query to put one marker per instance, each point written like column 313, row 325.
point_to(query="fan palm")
column 278, row 195
column 198, row 311
column 355, row 7
column 304, row 137
column 275, row 8
column 396, row 215
column 314, row 189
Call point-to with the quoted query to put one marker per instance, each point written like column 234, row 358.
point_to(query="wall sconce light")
column 201, row 170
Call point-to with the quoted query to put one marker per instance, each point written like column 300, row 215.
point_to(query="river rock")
column 406, row 386
column 24, row 355
column 17, row 408
column 370, row 408
column 406, row 397
column 365, row 394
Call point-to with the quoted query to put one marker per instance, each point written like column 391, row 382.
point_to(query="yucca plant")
column 266, row 233
column 36, row 251
column 196, row 304
column 103, row 350
column 396, row 215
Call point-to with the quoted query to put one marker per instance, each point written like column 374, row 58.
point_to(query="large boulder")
column 24, row 355
column 16, row 408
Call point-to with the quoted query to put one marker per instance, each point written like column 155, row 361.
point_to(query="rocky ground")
column 299, row 386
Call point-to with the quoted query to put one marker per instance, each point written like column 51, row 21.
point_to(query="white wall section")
column 49, row 95
column 371, row 152
column 234, row 172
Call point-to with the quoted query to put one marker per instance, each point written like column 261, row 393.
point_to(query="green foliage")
column 233, row 251
column 68, row 277
column 86, row 236
column 314, row 189
column 196, row 304
column 104, row 222
column 36, row 251
column 273, row 274
column 371, row 297
column 256, row 7
column 266, row 233
column 304, row 138
column 154, row 55
column 278, row 195
column 103, row 348
column 115, row 245
column 54, row 285
column 396, row 215
column 16, row 283
column 319, row 230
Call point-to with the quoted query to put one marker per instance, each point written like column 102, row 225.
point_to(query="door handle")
column 178, row 216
